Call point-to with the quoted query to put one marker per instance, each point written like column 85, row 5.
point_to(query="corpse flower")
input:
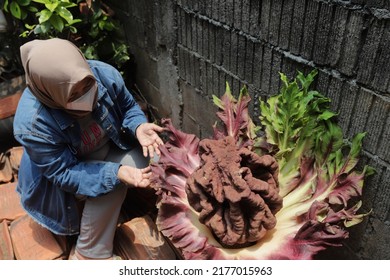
column 287, row 194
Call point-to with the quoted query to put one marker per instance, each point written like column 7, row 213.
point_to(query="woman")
column 85, row 139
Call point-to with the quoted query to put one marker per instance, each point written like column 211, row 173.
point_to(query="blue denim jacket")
column 50, row 173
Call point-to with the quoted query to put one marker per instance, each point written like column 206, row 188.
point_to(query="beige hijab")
column 57, row 73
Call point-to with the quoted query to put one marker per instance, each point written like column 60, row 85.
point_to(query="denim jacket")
column 50, row 174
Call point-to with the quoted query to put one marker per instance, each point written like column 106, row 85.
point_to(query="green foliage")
column 306, row 137
column 19, row 8
column 89, row 24
column 47, row 18
column 298, row 120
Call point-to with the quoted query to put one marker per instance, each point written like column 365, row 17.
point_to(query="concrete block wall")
column 150, row 29
column 186, row 50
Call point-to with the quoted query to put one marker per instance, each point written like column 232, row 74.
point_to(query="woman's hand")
column 147, row 135
column 136, row 177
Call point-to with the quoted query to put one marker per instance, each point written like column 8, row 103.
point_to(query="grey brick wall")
column 186, row 50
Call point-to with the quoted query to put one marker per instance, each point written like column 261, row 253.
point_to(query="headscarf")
column 57, row 74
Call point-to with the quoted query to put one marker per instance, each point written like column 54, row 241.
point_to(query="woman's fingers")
column 150, row 150
column 157, row 127
column 147, row 169
column 145, row 151
column 157, row 149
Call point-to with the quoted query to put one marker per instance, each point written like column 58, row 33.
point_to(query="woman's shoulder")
column 107, row 74
column 99, row 67
column 32, row 116
column 28, row 106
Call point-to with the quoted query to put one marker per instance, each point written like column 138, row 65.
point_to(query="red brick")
column 5, row 169
column 33, row 242
column 15, row 156
column 10, row 206
column 9, row 104
column 139, row 239
column 6, row 249
column 9, row 164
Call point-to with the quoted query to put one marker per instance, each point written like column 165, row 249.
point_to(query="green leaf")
column 30, row 27
column 15, row 10
column 24, row 34
column 243, row 92
column 65, row 14
column 51, row 6
column 45, row 27
column 356, row 145
column 24, row 2
column 93, row 33
column 32, row 9
column 42, row 1
column 106, row 25
column 217, row 101
column 5, row 6
column 57, row 22
column 101, row 24
column 90, row 52
column 23, row 14
column 38, row 29
column 72, row 29
column 67, row 4
column 44, row 16
column 73, row 21
column 306, row 81
column 326, row 115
